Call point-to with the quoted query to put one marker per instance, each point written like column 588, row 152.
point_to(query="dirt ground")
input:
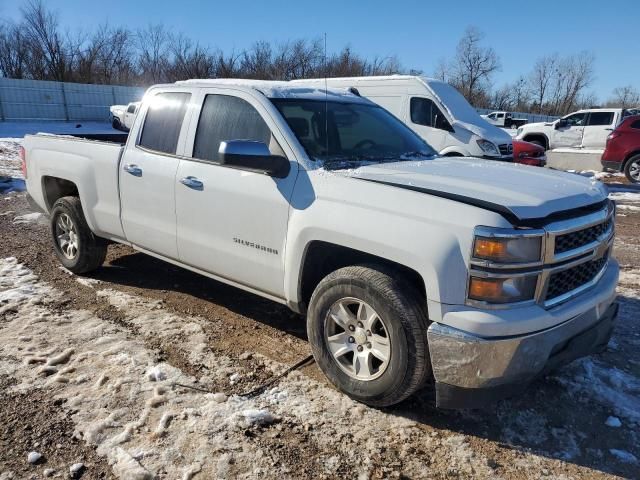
column 89, row 369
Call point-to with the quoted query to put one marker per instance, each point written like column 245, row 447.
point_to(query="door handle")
column 192, row 182
column 134, row 170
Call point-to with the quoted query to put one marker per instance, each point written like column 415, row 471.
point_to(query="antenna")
column 326, row 100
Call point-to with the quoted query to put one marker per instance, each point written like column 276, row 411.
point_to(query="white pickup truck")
column 409, row 266
column 584, row 129
column 504, row 119
column 122, row 116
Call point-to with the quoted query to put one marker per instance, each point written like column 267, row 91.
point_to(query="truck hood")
column 520, row 193
column 486, row 131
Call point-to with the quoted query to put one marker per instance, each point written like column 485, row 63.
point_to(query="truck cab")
column 504, row 119
column 584, row 129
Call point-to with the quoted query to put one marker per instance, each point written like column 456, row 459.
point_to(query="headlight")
column 502, row 290
column 494, row 253
column 487, row 147
column 508, row 249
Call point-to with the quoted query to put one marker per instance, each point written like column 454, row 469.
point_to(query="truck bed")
column 90, row 165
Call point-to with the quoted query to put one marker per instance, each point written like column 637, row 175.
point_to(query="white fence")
column 37, row 100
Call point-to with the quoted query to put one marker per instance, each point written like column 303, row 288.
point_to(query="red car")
column 622, row 152
column 529, row 154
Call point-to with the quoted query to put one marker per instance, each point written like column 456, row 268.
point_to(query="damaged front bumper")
column 471, row 371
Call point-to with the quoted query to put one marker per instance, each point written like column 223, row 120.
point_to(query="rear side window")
column 424, row 112
column 600, row 118
column 226, row 118
column 163, row 122
column 636, row 124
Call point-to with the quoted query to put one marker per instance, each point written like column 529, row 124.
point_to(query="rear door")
column 233, row 222
column 599, row 126
column 148, row 171
column 569, row 135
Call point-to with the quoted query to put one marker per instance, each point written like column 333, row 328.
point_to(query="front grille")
column 580, row 238
column 572, row 278
column 506, row 148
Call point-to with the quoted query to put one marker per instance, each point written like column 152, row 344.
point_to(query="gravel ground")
column 89, row 369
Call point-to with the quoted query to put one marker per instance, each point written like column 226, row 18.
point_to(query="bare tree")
column 540, row 80
column 14, row 51
column 473, row 66
column 153, row 54
column 624, row 97
column 49, row 56
column 190, row 60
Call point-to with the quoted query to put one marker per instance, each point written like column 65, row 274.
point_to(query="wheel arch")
column 54, row 188
column 537, row 136
column 320, row 258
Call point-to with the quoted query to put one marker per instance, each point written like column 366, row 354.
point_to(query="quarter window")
column 163, row 122
column 225, row 118
column 600, row 118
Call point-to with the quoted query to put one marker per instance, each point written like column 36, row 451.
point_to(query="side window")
column 501, row 115
column 576, row 120
column 224, row 118
column 163, row 122
column 600, row 118
column 492, row 116
column 425, row 112
column 636, row 125
column 132, row 108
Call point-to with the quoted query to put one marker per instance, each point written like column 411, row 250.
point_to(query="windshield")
column 457, row 105
column 357, row 132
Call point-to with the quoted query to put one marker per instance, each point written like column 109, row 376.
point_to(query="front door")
column 428, row 121
column 570, row 134
column 147, row 176
column 232, row 222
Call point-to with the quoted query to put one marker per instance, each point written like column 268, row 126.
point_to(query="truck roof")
column 280, row 89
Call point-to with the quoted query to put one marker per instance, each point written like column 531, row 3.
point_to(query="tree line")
column 36, row 47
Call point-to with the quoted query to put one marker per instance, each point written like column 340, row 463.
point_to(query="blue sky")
column 419, row 32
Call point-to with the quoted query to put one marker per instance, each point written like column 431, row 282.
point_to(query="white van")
column 434, row 110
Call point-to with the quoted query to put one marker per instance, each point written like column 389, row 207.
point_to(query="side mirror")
column 253, row 156
column 561, row 124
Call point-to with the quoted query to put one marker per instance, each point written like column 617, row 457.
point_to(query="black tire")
column 405, row 317
column 632, row 163
column 115, row 123
column 91, row 250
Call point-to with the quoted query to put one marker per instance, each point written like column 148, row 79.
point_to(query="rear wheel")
column 77, row 248
column 632, row 169
column 368, row 332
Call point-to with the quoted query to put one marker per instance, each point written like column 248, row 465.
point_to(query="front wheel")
column 77, row 248
column 368, row 333
column 632, row 169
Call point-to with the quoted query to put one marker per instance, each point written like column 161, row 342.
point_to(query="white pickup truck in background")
column 409, row 267
column 504, row 119
column 584, row 129
column 122, row 116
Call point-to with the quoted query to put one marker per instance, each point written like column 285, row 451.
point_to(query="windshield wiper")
column 418, row 153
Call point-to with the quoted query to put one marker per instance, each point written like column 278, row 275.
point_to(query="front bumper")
column 471, row 371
